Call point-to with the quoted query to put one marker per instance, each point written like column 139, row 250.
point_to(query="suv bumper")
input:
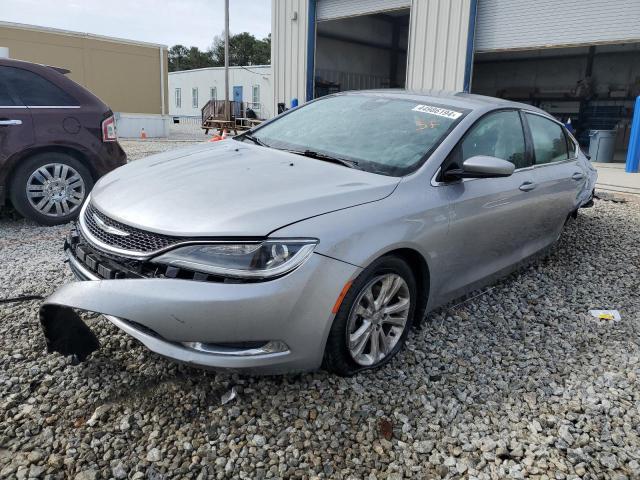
column 110, row 157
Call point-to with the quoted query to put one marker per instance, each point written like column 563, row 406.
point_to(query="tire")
column 58, row 184
column 338, row 357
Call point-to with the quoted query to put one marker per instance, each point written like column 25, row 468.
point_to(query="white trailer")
column 189, row 90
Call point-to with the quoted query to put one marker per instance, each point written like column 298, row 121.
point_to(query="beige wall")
column 126, row 76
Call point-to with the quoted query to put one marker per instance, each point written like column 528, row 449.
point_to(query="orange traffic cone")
column 217, row 138
column 143, row 134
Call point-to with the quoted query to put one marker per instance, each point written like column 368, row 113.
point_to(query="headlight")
column 267, row 259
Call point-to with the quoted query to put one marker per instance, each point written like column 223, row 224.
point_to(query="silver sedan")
column 320, row 237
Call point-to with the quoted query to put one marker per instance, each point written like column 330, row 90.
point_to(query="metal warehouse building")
column 577, row 59
column 129, row 76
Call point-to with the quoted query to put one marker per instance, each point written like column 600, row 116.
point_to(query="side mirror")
column 482, row 166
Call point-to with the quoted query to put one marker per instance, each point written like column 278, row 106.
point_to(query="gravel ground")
column 180, row 135
column 516, row 383
column 137, row 149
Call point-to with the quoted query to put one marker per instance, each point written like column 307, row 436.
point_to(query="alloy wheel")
column 378, row 319
column 55, row 189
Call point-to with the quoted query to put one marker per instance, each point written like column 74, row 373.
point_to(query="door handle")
column 527, row 186
column 577, row 176
column 10, row 122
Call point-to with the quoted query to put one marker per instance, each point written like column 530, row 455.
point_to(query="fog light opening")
column 239, row 350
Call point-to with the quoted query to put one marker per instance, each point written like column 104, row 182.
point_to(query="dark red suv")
column 56, row 140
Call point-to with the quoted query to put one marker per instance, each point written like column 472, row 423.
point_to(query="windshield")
column 382, row 135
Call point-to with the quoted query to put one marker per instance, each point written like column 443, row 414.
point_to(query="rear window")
column 549, row 141
column 35, row 90
column 572, row 144
column 383, row 135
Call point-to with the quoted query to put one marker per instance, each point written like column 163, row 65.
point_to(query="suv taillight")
column 109, row 130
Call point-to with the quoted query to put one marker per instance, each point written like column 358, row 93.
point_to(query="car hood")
column 231, row 189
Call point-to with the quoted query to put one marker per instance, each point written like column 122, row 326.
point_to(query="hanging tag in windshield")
column 441, row 112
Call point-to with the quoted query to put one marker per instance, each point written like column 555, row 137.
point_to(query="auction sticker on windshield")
column 441, row 112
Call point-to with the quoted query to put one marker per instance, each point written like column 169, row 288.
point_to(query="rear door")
column 556, row 175
column 16, row 128
column 54, row 111
column 490, row 225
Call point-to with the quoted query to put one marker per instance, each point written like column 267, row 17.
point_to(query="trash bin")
column 601, row 145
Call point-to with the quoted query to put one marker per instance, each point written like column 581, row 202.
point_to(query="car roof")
column 11, row 62
column 57, row 76
column 469, row 101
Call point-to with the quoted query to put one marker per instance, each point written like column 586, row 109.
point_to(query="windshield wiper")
column 255, row 140
column 325, row 157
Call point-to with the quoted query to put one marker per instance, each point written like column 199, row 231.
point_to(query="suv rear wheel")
column 50, row 188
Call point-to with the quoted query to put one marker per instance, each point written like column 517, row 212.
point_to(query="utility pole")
column 227, row 109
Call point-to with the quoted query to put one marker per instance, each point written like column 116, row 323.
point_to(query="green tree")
column 177, row 57
column 183, row 58
column 244, row 49
column 263, row 51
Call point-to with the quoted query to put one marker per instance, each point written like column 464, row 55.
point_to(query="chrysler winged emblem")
column 108, row 228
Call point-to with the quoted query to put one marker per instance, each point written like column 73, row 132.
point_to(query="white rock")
column 259, row 440
column 124, row 423
column 154, row 455
column 86, row 475
column 424, row 446
column 609, row 461
column 564, row 434
column 488, row 445
column 98, row 413
column 535, row 426
column 119, row 472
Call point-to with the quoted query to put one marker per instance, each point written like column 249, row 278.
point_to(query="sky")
column 168, row 22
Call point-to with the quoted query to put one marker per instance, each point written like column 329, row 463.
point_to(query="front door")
column 16, row 126
column 490, row 226
column 237, row 101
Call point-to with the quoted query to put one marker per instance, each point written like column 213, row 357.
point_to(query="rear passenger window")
column 35, row 90
column 498, row 135
column 572, row 145
column 549, row 141
column 6, row 100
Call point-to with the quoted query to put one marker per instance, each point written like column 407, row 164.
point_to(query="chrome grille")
column 137, row 240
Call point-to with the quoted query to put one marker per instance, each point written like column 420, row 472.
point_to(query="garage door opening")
column 362, row 52
column 594, row 85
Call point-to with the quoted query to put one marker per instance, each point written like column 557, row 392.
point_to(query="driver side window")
column 498, row 135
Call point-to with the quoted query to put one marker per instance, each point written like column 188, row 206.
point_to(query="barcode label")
column 441, row 112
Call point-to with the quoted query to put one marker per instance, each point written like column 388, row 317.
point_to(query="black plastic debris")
column 22, row 298
column 66, row 333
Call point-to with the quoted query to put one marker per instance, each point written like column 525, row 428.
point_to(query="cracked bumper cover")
column 165, row 313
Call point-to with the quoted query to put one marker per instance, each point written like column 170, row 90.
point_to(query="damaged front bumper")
column 264, row 327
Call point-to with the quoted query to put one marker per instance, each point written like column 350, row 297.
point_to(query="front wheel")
column 374, row 318
column 50, row 188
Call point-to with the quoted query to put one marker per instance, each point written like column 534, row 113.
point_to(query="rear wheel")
column 374, row 318
column 50, row 188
